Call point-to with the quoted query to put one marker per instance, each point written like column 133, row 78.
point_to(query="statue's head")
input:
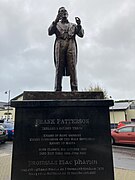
column 63, row 12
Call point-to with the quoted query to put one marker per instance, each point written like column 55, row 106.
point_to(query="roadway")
column 124, row 157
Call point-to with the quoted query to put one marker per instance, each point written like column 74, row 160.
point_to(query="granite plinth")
column 40, row 95
column 62, row 138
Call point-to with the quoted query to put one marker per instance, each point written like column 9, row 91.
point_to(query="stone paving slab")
column 123, row 174
column 5, row 167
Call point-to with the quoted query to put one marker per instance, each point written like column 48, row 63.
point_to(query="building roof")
column 132, row 106
column 121, row 106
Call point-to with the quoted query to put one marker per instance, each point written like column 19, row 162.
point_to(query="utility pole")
column 8, row 103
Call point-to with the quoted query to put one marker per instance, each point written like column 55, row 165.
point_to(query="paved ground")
column 124, row 157
column 122, row 174
column 5, row 169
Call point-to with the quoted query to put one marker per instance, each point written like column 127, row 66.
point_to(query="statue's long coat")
column 65, row 35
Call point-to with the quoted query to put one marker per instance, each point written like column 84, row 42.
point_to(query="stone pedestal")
column 62, row 136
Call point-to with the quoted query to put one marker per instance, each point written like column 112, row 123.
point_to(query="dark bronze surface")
column 65, row 48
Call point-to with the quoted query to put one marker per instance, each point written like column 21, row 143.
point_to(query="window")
column 7, row 113
column 126, row 129
column 127, row 122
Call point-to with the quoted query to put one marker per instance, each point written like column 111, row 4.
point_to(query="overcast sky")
column 106, row 53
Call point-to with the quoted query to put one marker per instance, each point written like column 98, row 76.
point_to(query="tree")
column 98, row 88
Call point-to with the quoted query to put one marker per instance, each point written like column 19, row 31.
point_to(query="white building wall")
column 3, row 113
column 130, row 114
column 116, row 116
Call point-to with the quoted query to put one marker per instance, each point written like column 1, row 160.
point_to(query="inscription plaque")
column 57, row 140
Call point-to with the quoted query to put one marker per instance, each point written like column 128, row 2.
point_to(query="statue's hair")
column 61, row 8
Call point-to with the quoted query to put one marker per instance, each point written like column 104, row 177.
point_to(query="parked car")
column 123, row 123
column 124, row 135
column 9, row 126
column 3, row 135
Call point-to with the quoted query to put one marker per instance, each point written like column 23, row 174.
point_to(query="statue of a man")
column 65, row 48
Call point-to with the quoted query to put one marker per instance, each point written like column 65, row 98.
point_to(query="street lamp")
column 8, row 102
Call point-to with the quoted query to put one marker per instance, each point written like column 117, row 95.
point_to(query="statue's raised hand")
column 58, row 17
column 78, row 21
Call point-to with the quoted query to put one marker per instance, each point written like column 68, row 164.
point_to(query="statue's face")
column 64, row 13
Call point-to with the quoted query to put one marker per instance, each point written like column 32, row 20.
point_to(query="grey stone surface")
column 42, row 95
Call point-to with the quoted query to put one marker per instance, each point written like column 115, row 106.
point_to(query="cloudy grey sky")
column 106, row 53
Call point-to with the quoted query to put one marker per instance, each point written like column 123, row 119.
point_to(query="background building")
column 6, row 112
column 122, row 111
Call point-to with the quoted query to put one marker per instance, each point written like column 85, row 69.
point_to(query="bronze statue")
column 65, row 48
